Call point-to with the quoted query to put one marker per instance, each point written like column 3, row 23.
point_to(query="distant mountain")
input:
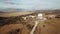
column 56, row 10
column 1, row 11
column 11, row 10
column 20, row 10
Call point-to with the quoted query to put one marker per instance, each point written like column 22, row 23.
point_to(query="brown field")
column 17, row 25
column 9, row 14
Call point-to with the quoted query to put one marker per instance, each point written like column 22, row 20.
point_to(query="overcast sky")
column 30, row 4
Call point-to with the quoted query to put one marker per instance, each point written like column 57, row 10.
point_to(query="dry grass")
column 14, row 14
column 16, row 25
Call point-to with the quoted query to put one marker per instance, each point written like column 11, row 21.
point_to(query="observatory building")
column 40, row 16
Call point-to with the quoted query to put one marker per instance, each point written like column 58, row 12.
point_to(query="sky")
column 30, row 4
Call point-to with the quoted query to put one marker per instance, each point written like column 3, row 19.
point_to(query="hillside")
column 15, row 24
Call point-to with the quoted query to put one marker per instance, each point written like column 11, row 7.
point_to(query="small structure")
column 24, row 18
column 50, row 16
column 31, row 16
column 40, row 16
column 57, row 16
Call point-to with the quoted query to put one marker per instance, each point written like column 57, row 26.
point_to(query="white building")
column 40, row 16
column 31, row 16
column 24, row 18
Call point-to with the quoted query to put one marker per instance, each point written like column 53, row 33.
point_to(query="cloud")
column 30, row 4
